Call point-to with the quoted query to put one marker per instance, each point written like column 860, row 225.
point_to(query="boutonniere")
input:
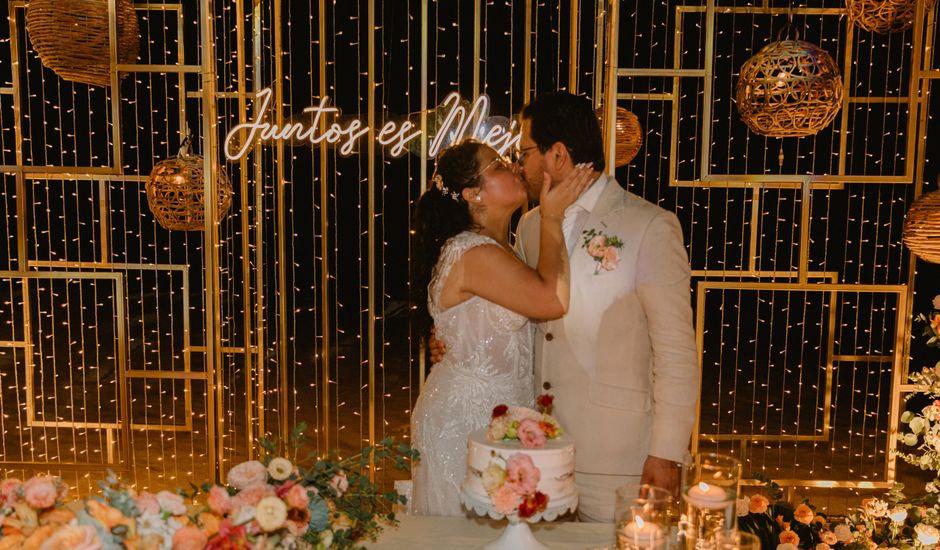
column 605, row 249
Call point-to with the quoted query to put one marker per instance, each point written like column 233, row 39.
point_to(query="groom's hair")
column 563, row 117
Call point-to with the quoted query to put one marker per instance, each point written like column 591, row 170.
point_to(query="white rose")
column 280, row 468
column 271, row 513
column 742, row 507
column 843, row 532
column 898, row 514
column 927, row 534
column 936, row 301
column 493, row 477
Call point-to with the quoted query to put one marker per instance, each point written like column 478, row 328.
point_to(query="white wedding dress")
column 488, row 362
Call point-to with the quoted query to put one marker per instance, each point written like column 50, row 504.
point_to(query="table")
column 428, row 532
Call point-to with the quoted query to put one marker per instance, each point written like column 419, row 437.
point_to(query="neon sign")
column 460, row 121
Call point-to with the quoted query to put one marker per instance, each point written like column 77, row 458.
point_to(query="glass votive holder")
column 737, row 540
column 642, row 517
column 709, row 496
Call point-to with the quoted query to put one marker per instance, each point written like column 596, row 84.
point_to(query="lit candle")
column 705, row 495
column 640, row 534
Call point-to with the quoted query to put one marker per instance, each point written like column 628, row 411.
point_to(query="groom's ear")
column 557, row 157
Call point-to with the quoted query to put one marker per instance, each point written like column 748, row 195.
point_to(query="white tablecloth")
column 426, row 533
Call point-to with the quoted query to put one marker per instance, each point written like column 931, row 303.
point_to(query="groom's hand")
column 660, row 472
column 437, row 348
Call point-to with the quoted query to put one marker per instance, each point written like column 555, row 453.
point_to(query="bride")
column 480, row 298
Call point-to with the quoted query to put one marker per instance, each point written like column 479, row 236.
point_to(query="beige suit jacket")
column 622, row 363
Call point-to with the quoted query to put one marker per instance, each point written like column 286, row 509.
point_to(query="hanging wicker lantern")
column 922, row 228
column 884, row 16
column 71, row 37
column 790, row 88
column 629, row 135
column 175, row 192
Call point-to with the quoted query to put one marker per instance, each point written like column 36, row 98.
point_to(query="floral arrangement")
column 513, row 486
column 931, row 322
column 272, row 503
column 530, row 427
column 783, row 526
column 605, row 249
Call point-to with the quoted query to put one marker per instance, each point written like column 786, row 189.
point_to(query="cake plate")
column 517, row 535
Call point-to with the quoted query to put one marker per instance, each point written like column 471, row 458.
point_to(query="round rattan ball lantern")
column 71, row 37
column 628, row 135
column 922, row 228
column 175, row 193
column 884, row 16
column 790, row 88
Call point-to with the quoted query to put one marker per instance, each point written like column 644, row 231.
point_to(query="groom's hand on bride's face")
column 437, row 348
column 660, row 472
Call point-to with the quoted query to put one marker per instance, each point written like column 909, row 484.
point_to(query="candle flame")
column 639, row 522
column 703, row 486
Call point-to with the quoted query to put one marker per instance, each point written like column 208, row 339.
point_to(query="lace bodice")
column 488, row 362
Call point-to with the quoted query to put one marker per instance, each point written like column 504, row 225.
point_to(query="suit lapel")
column 611, row 201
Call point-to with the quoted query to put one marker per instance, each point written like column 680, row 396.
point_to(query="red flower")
column 533, row 504
column 544, row 403
column 500, row 410
column 229, row 537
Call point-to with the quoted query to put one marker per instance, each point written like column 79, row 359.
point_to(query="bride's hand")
column 556, row 198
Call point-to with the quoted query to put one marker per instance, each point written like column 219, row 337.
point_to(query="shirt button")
column 546, row 386
column 549, row 336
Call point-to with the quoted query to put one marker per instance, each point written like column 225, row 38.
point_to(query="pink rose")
column 189, row 538
column 219, row 501
column 758, row 504
column 505, row 500
column 9, row 489
column 339, row 483
column 521, row 474
column 73, row 537
column 530, row 434
column 597, row 246
column 147, row 503
column 171, row 502
column 252, row 495
column 789, row 537
column 40, row 492
column 611, row 259
column 297, row 497
column 247, row 474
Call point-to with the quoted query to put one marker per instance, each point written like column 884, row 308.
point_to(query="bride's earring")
column 478, row 199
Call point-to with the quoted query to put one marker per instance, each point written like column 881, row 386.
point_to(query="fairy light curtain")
column 166, row 354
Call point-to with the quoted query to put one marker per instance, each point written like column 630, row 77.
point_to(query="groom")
column 622, row 363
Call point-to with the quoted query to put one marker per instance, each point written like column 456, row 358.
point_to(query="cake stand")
column 517, row 535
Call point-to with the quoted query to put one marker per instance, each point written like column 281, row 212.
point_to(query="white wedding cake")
column 521, row 466
column 554, row 461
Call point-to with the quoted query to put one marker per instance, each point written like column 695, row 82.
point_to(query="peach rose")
column 505, row 500
column 297, row 497
column 251, row 496
column 40, row 492
column 189, row 538
column 73, row 537
column 171, row 502
column 829, row 538
column 56, row 516
column 597, row 246
column 107, row 516
column 530, row 434
column 219, row 500
column 611, row 259
column 804, row 514
column 789, row 537
column 209, row 523
column 843, row 533
column 36, row 539
column 247, row 474
column 758, row 504
column 521, row 474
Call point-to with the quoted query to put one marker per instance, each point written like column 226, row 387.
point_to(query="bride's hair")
column 442, row 213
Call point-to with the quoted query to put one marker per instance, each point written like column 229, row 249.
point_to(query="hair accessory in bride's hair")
column 439, row 183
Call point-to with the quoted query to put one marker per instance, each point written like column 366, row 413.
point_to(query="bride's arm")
column 498, row 276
